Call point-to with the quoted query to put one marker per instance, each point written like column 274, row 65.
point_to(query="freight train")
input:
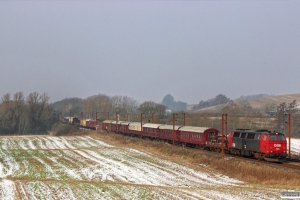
column 83, row 123
column 260, row 144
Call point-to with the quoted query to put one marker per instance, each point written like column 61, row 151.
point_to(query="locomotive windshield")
column 279, row 137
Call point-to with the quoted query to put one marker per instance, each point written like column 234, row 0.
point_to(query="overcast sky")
column 192, row 50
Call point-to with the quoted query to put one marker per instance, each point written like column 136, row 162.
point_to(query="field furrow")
column 84, row 167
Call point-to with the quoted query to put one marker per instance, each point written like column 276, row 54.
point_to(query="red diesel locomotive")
column 261, row 144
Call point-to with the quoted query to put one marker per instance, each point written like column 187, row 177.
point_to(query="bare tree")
column 149, row 107
column 67, row 105
column 123, row 105
column 6, row 117
column 6, row 98
column 18, row 110
column 11, row 113
column 99, row 103
column 39, row 112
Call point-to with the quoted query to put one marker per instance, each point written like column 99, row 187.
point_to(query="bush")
column 59, row 129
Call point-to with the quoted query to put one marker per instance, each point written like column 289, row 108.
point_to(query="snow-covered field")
column 295, row 146
column 83, row 167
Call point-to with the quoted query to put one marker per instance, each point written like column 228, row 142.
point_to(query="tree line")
column 106, row 107
column 34, row 114
column 23, row 115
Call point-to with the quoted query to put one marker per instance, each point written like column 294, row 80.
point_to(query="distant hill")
column 262, row 102
column 255, row 96
column 256, row 103
column 173, row 105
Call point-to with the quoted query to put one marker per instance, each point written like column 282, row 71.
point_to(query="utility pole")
column 173, row 133
column 61, row 116
column 116, row 123
column 70, row 117
column 96, row 118
column 141, row 135
column 152, row 120
column 222, row 134
column 289, row 133
column 109, row 123
column 226, row 125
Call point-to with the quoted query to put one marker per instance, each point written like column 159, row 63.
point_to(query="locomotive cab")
column 262, row 144
column 274, row 146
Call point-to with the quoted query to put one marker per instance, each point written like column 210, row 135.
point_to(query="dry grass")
column 254, row 173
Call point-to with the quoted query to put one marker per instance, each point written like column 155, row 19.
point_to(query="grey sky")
column 192, row 50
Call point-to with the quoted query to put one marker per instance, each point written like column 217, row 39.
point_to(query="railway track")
column 293, row 164
column 289, row 163
column 292, row 160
